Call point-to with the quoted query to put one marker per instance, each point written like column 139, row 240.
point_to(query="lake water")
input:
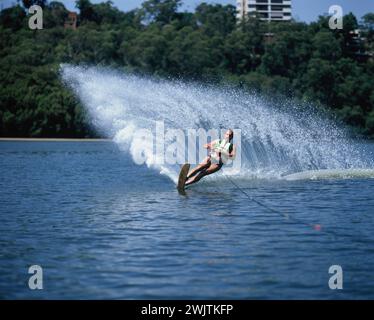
column 103, row 227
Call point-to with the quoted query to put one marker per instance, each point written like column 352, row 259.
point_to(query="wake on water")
column 276, row 140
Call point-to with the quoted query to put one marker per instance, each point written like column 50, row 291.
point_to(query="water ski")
column 183, row 177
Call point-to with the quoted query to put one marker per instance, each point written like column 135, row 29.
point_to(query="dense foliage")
column 310, row 62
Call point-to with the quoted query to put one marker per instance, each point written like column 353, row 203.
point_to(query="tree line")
column 331, row 68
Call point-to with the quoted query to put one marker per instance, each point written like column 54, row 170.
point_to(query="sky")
column 302, row 10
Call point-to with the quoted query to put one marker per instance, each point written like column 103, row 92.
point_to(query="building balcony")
column 284, row 2
column 281, row 4
column 281, row 10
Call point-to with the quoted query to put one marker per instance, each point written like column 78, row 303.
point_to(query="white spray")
column 275, row 140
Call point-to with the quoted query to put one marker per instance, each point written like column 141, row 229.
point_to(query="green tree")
column 319, row 81
column 29, row 3
column 13, row 18
column 86, row 10
column 332, row 68
column 326, row 46
column 215, row 19
column 369, row 125
column 54, row 15
column 161, row 11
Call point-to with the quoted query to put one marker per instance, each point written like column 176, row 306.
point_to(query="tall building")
column 271, row 10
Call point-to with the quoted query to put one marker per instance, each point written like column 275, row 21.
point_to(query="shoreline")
column 56, row 139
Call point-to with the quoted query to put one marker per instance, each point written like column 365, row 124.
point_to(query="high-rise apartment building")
column 271, row 10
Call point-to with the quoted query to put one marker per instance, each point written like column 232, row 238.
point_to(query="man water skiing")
column 220, row 152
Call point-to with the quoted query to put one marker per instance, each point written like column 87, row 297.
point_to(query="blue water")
column 103, row 227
